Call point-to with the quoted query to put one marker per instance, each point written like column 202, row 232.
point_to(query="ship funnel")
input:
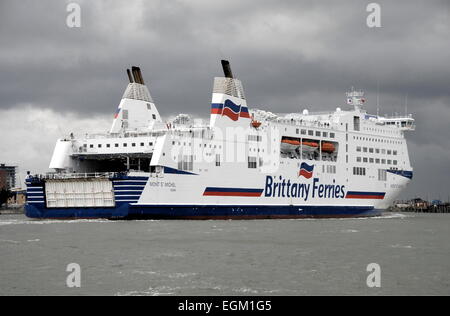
column 140, row 75
column 226, row 68
column 135, row 74
column 129, row 76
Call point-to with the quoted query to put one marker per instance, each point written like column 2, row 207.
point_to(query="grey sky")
column 290, row 55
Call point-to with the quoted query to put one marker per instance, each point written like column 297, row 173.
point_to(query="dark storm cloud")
column 290, row 55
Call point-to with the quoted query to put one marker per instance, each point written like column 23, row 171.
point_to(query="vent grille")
column 137, row 91
column 229, row 86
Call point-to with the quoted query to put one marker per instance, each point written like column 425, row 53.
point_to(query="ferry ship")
column 243, row 163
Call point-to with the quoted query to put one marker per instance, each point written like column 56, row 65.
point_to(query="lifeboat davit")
column 328, row 147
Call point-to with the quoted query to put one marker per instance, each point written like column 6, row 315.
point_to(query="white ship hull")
column 336, row 164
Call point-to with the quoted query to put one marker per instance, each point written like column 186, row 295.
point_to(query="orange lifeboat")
column 291, row 142
column 256, row 124
column 328, row 147
column 289, row 145
column 310, row 144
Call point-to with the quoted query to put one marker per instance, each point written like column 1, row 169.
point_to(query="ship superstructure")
column 244, row 163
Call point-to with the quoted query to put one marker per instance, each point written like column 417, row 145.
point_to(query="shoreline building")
column 7, row 176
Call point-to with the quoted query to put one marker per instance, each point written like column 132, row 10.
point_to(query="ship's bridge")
column 406, row 122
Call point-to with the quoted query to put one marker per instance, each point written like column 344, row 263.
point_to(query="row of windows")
column 376, row 160
column 384, row 131
column 382, row 175
column 376, row 150
column 186, row 163
column 317, row 133
column 117, row 145
column 200, row 145
column 255, row 138
column 378, row 140
column 359, row 171
column 329, row 169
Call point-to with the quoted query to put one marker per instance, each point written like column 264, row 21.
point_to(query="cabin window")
column 311, row 133
column 356, row 123
column 116, row 145
column 365, row 149
column 318, row 133
column 150, row 144
column 149, row 106
column 217, row 160
column 303, row 131
column 108, row 145
column 91, row 146
column 325, row 134
column 124, row 144
column 358, row 148
column 331, row 135
column 142, row 144
column 154, row 116
column 382, row 175
column 252, row 162
column 358, row 159
column 186, row 163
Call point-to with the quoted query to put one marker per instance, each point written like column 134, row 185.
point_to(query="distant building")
column 7, row 177
column 18, row 197
column 419, row 203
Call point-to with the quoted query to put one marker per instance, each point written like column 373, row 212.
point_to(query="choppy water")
column 258, row 257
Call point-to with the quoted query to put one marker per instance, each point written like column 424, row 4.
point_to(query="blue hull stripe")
column 177, row 171
column 29, row 194
column 127, row 188
column 124, row 210
column 140, row 183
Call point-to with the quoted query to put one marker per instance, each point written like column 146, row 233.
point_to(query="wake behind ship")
column 243, row 164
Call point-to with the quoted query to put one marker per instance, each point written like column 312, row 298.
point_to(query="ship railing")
column 297, row 122
column 87, row 175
